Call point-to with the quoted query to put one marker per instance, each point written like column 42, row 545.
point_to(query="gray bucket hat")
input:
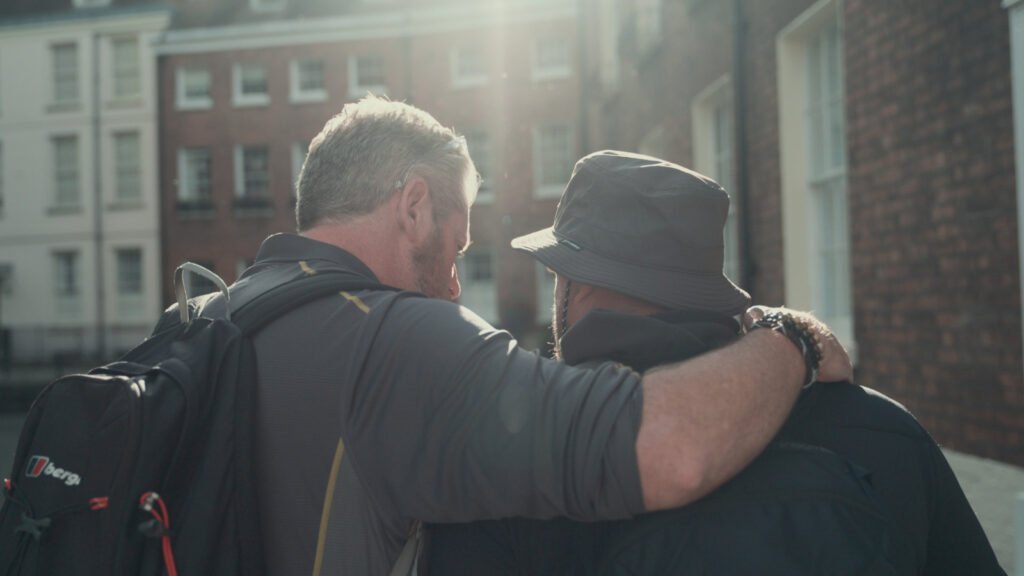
column 644, row 227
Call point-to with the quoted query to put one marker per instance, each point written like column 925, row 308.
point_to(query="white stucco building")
column 79, row 225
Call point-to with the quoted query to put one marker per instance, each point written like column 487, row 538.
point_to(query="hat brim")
column 669, row 288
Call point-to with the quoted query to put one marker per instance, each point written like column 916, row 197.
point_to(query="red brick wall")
column 932, row 199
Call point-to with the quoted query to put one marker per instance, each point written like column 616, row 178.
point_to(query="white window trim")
column 239, row 170
column 538, row 74
column 181, row 99
column 240, row 100
column 549, row 191
column 488, row 305
column 183, row 176
column 69, row 306
column 715, row 96
column 1016, row 13
column 460, row 80
column 356, row 90
column 3, row 164
column 298, row 158
column 57, row 204
column 295, row 93
column 545, row 294
column 57, row 104
column 130, row 306
column 116, row 175
column 114, row 96
column 486, row 196
column 797, row 225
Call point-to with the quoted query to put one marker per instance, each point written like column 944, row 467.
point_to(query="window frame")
column 130, row 304
column 71, row 171
column 242, row 192
column 358, row 90
column 299, row 151
column 241, row 99
column 538, row 72
column 543, row 190
column 119, row 72
column 483, row 295
column 296, row 93
column 707, row 156
column 67, row 283
column 200, row 199
column 486, row 193
column 122, row 169
column 182, row 100
column 545, row 294
column 460, row 79
column 803, row 272
column 73, row 98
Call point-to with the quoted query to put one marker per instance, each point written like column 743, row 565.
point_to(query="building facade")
column 79, row 242
column 869, row 151
column 242, row 96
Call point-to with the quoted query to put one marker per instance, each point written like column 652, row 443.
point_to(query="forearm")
column 705, row 419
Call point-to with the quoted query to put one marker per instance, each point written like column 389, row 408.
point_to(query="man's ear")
column 414, row 209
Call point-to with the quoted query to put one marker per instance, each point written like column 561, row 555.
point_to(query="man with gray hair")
column 380, row 407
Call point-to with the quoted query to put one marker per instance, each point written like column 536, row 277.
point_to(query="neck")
column 370, row 239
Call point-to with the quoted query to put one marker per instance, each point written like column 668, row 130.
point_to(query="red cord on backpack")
column 146, row 503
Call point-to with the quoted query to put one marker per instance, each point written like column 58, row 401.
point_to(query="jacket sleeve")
column 450, row 420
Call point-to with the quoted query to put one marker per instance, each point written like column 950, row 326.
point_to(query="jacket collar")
column 642, row 342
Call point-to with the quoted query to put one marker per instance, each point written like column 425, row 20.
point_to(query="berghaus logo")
column 42, row 466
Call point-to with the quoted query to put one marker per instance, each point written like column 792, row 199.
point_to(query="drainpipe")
column 749, row 266
column 97, row 175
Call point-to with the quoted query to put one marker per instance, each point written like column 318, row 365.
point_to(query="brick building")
column 245, row 87
column 869, row 150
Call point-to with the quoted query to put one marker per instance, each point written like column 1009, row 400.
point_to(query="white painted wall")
column 29, row 231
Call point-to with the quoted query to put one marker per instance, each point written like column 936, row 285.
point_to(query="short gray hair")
column 368, row 151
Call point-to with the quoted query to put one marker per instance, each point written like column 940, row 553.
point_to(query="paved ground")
column 992, row 489
column 990, row 486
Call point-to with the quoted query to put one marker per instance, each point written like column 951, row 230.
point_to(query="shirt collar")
column 293, row 247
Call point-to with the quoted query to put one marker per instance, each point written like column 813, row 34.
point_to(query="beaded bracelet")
column 800, row 334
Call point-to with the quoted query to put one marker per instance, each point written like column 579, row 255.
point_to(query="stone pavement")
column 991, row 487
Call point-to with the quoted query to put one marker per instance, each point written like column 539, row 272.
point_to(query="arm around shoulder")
column 705, row 419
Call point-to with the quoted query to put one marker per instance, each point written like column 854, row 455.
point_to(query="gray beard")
column 426, row 262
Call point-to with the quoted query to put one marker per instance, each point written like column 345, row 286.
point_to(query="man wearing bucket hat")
column 637, row 249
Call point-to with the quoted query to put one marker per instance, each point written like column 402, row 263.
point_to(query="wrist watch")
column 800, row 334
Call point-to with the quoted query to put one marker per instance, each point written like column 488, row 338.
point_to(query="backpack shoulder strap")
column 278, row 300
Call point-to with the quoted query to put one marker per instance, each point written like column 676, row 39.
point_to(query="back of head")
column 368, row 151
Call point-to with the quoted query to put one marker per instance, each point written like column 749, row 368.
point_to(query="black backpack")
column 145, row 466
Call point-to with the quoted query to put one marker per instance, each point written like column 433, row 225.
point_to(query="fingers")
column 753, row 314
column 835, row 364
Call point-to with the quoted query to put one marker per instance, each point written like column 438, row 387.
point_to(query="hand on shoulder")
column 835, row 362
